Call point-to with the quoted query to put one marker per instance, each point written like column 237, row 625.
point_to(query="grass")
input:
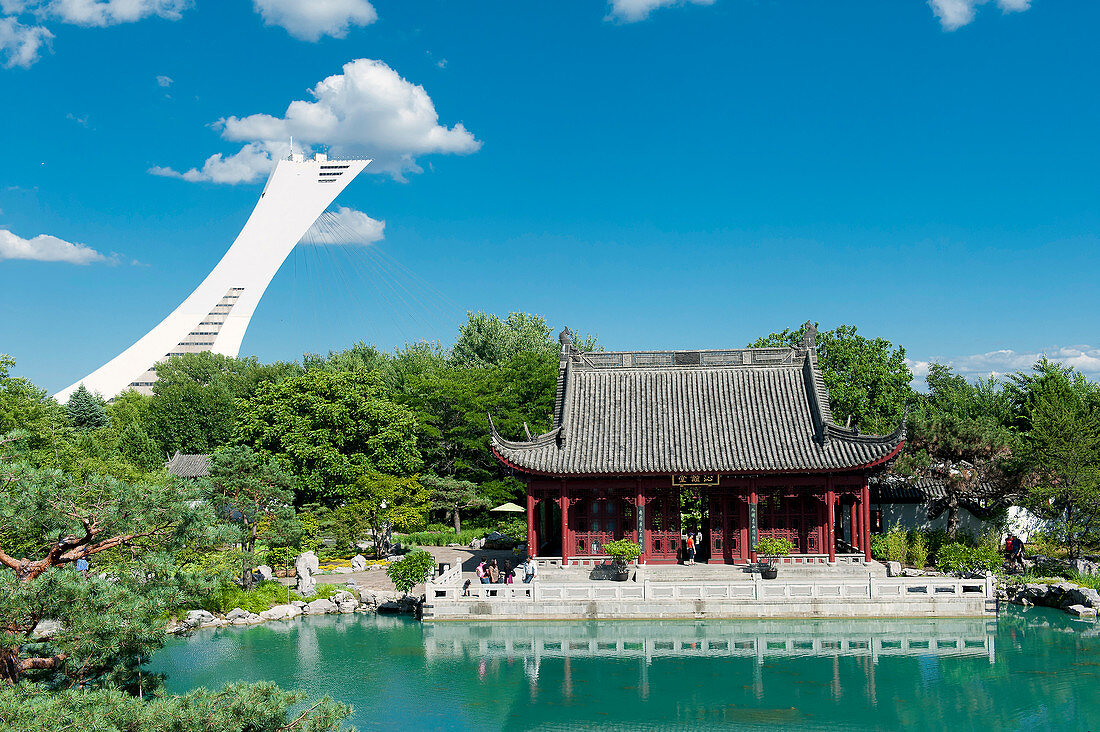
column 262, row 596
column 441, row 538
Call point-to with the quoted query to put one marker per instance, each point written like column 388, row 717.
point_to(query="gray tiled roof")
column 189, row 466
column 743, row 410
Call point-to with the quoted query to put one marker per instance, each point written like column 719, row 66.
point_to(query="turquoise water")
column 1037, row 669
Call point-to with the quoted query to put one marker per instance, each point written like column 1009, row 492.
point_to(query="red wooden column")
column 857, row 522
column 830, row 519
column 565, row 543
column 754, row 510
column 866, row 501
column 639, row 520
column 532, row 534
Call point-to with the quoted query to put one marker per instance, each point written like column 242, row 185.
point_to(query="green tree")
column 1061, row 450
column 25, row 407
column 193, row 402
column 868, row 379
column 254, row 494
column 330, row 429
column 453, row 496
column 956, row 436
column 385, row 502
column 86, row 411
column 486, row 340
column 411, row 570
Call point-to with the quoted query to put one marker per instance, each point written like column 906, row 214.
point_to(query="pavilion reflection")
column 759, row 639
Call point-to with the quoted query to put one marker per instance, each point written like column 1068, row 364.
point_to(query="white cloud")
column 102, row 13
column 1085, row 359
column 164, row 81
column 246, row 166
column 46, row 248
column 954, row 14
column 345, row 226
column 309, row 20
column 631, row 11
column 368, row 110
column 21, row 45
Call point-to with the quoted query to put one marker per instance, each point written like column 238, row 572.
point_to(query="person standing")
column 530, row 569
column 690, row 545
column 494, row 573
column 506, row 574
column 482, row 572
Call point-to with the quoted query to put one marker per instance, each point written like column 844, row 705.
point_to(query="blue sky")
column 666, row 175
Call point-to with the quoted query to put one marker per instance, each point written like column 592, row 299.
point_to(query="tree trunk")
column 458, row 521
column 246, row 561
column 952, row 518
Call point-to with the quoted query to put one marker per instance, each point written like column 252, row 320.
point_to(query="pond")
column 1035, row 669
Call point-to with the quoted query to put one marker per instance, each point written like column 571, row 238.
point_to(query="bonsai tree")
column 770, row 548
column 622, row 551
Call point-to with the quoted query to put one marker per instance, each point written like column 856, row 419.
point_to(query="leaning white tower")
column 216, row 315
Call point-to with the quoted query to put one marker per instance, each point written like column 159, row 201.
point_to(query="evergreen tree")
column 453, row 496
column 86, row 411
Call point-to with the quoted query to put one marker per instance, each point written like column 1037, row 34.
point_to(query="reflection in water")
column 758, row 639
column 1025, row 670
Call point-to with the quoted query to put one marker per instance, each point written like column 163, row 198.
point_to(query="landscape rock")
column 345, row 602
column 197, row 618
column 47, row 629
column 319, row 607
column 1081, row 611
column 298, row 604
column 1084, row 567
column 343, row 570
column 305, row 566
column 265, row 572
column 477, row 544
column 358, row 563
column 236, row 616
column 893, row 569
column 281, row 612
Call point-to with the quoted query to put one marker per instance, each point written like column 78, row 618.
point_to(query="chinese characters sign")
column 693, row 480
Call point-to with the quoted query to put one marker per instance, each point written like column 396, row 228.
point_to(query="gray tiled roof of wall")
column 189, row 466
column 750, row 410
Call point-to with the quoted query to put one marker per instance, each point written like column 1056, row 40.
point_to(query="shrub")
column 773, row 546
column 514, row 528
column 622, row 551
column 441, row 538
column 262, row 596
column 411, row 570
column 958, row 558
column 897, row 544
column 438, row 528
column 878, row 546
column 918, row 549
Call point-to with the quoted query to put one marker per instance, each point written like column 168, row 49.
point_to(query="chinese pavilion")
column 747, row 432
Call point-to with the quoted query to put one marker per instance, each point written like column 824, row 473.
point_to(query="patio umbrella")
column 509, row 508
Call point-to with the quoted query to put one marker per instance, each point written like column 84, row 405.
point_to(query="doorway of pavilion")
column 797, row 517
column 726, row 534
column 548, row 528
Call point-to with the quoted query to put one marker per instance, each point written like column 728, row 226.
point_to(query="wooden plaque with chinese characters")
column 687, row 480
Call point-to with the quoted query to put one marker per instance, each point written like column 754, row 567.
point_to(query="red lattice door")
column 728, row 517
column 600, row 520
column 663, row 528
column 794, row 518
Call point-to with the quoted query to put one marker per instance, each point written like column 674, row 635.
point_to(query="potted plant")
column 622, row 552
column 768, row 551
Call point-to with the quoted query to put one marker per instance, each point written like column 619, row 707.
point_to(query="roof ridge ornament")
column 809, row 335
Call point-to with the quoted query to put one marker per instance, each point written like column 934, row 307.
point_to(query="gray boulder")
column 281, row 612
column 358, row 563
column 1081, row 611
column 307, row 585
column 236, row 616
column 477, row 544
column 1085, row 567
column 197, row 618
column 298, row 604
column 319, row 607
column 346, row 602
column 893, row 569
column 305, row 566
column 265, row 572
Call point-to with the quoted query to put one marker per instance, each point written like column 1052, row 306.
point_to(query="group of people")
column 489, row 573
column 1014, row 551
